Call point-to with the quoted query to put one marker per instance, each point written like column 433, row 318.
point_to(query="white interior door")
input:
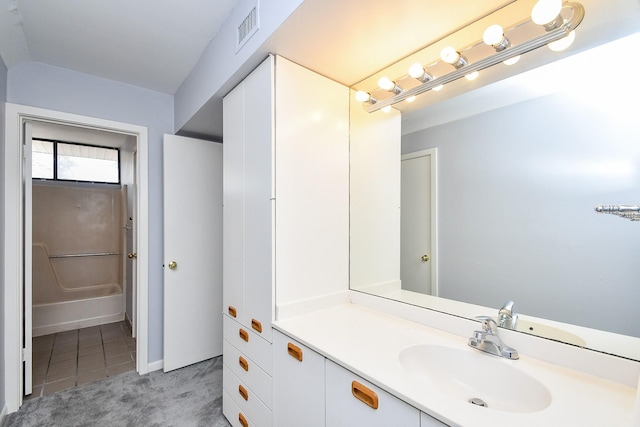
column 417, row 252
column 192, row 251
column 28, row 273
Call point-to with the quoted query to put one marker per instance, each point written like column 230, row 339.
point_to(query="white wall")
column 220, row 62
column 374, row 199
column 3, row 99
column 517, row 190
column 44, row 86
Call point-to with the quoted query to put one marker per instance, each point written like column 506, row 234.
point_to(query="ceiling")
column 153, row 44
column 348, row 41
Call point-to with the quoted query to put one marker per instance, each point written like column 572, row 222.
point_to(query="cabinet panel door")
column 233, row 204
column 258, row 187
column 428, row 421
column 298, row 385
column 344, row 407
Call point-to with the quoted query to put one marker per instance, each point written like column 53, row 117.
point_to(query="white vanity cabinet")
column 248, row 199
column 248, row 205
column 312, row 391
column 429, row 421
column 352, row 402
column 298, row 384
column 281, row 114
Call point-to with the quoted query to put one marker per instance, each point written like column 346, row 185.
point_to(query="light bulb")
column 511, row 61
column 450, row 55
column 493, row 35
column 563, row 43
column 545, row 12
column 437, row 88
column 416, row 70
column 386, row 109
column 471, row 76
column 386, row 83
column 362, row 96
column 411, row 99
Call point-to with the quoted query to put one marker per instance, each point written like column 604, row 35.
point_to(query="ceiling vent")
column 248, row 27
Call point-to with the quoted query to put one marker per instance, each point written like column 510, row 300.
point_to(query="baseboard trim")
column 3, row 414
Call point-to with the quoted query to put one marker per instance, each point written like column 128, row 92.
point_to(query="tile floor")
column 68, row 359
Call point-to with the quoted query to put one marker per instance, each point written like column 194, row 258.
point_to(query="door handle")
column 132, row 255
column 173, row 265
column 425, row 258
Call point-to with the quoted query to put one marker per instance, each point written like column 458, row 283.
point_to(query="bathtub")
column 70, row 292
column 70, row 315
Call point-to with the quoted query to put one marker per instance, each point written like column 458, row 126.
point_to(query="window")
column 65, row 161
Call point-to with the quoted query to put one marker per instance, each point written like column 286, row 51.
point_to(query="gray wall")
column 517, row 190
column 44, row 86
column 220, row 67
column 3, row 99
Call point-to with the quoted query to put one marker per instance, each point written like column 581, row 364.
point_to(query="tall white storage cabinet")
column 285, row 215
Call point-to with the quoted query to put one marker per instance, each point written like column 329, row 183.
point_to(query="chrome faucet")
column 506, row 317
column 487, row 340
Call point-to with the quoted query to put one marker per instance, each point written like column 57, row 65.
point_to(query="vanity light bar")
column 624, row 211
column 506, row 53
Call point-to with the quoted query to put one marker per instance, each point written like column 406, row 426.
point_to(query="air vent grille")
column 248, row 27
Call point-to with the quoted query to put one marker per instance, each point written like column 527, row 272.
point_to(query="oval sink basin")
column 474, row 375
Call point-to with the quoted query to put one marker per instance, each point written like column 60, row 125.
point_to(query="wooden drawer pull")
column 244, row 335
column 256, row 325
column 243, row 362
column 232, row 311
column 364, row 394
column 243, row 392
column 243, row 420
column 294, row 351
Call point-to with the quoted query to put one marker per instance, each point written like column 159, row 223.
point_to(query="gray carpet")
column 191, row 396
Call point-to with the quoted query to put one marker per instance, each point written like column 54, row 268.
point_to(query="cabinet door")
column 298, row 384
column 429, row 421
column 258, row 190
column 233, row 204
column 351, row 401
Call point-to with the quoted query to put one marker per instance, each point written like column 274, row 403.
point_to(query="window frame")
column 55, row 178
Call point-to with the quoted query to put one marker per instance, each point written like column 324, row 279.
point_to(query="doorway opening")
column 82, row 229
column 418, row 222
column 21, row 123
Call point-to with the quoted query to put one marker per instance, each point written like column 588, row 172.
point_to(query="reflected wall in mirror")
column 518, row 181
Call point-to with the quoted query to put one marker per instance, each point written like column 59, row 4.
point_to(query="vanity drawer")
column 365, row 404
column 233, row 413
column 245, row 398
column 249, row 343
column 248, row 372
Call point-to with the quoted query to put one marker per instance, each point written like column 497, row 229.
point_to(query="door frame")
column 15, row 116
column 432, row 153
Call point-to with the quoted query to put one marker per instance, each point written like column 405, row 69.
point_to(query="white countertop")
column 368, row 343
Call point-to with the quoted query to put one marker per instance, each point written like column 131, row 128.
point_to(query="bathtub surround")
column 189, row 396
column 78, row 245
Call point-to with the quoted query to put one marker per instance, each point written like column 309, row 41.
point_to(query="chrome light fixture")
column 552, row 23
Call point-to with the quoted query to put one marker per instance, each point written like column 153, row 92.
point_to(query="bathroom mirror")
column 521, row 164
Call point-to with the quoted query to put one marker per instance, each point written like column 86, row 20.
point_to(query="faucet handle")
column 488, row 324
